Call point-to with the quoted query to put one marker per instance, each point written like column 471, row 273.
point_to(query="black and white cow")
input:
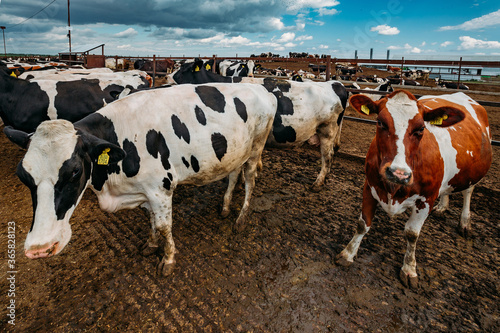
column 307, row 111
column 25, row 104
column 236, row 68
column 451, row 85
column 137, row 150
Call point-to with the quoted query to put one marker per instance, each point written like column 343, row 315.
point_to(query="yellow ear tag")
column 365, row 109
column 437, row 121
column 208, row 67
column 13, row 74
column 103, row 159
column 197, row 69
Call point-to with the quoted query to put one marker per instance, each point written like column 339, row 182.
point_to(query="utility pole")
column 4, row 49
column 69, row 31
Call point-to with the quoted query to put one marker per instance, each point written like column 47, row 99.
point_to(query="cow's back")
column 206, row 131
column 466, row 146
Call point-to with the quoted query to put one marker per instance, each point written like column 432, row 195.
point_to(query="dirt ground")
column 278, row 275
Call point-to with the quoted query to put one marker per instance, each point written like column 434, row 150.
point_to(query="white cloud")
column 447, row 43
column 304, row 37
column 294, row 6
column 472, row 43
column 407, row 47
column 276, row 23
column 323, row 46
column 124, row 46
column 384, row 29
column 484, row 21
column 286, row 37
column 130, row 32
column 327, row 11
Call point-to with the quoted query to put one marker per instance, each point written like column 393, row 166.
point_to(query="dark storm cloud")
column 217, row 15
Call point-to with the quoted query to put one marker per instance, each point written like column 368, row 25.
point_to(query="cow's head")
column 188, row 73
column 56, row 169
column 401, row 126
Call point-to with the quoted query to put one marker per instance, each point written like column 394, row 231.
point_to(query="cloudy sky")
column 242, row 27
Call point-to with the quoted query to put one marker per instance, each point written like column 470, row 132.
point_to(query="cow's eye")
column 75, row 174
column 419, row 131
column 381, row 124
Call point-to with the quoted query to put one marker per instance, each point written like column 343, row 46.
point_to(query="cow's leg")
column 443, row 204
column 408, row 273
column 228, row 196
column 336, row 141
column 161, row 205
column 326, row 134
column 151, row 246
column 250, row 171
column 346, row 257
column 464, row 226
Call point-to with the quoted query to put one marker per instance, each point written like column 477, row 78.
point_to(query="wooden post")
column 459, row 71
column 154, row 69
column 116, row 62
column 215, row 63
column 328, row 60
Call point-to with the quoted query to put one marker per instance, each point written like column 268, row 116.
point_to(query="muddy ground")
column 278, row 275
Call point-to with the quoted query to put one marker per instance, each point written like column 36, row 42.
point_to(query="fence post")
column 459, row 71
column 402, row 65
column 116, row 62
column 154, row 69
column 215, row 63
column 328, row 59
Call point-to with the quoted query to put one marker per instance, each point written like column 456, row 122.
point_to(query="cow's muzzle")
column 398, row 176
column 42, row 251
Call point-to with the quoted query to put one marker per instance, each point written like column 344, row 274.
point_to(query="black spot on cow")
column 343, row 95
column 114, row 90
column 28, row 180
column 23, row 104
column 241, row 109
column 341, row 92
column 155, row 144
column 237, row 79
column 29, row 77
column 270, row 84
column 82, row 90
column 200, row 115
column 167, row 183
column 211, row 97
column 195, row 164
column 282, row 133
column 180, row 129
column 219, row 144
column 169, row 175
column 186, row 163
column 71, row 182
column 283, row 85
column 131, row 162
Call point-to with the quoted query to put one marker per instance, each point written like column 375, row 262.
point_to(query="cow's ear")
column 20, row 138
column 363, row 104
column 444, row 116
column 198, row 65
column 101, row 151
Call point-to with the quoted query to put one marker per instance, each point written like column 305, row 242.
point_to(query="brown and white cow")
column 422, row 150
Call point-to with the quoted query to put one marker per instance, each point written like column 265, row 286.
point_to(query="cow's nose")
column 398, row 175
column 42, row 251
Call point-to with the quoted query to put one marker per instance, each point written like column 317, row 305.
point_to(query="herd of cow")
column 133, row 144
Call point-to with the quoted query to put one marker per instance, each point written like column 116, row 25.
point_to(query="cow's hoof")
column 224, row 213
column 165, row 268
column 342, row 261
column 464, row 232
column 316, row 188
column 148, row 249
column 408, row 281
